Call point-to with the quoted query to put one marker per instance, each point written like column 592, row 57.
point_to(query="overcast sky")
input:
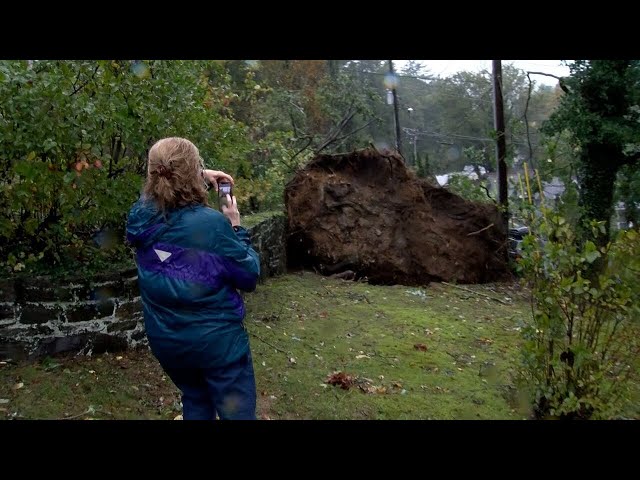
column 445, row 68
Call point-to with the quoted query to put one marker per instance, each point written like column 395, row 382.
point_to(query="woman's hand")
column 213, row 176
column 230, row 210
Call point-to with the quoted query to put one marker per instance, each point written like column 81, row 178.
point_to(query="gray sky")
column 445, row 68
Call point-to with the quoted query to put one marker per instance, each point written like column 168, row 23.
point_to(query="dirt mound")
column 366, row 212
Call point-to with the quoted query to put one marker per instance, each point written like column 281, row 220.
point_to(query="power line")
column 398, row 75
column 454, row 135
column 432, row 78
column 414, row 90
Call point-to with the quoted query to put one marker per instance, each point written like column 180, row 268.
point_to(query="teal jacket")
column 191, row 264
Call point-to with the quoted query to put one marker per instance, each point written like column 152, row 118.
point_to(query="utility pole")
column 395, row 109
column 415, row 139
column 501, row 146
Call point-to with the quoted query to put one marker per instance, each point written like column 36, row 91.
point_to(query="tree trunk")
column 597, row 177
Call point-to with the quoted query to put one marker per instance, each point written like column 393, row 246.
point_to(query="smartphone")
column 224, row 189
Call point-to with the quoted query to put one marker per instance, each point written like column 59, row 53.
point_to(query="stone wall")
column 269, row 240
column 40, row 317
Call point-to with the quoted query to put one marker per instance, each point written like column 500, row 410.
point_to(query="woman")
column 191, row 262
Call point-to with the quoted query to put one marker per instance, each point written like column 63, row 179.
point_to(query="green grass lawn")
column 432, row 353
column 438, row 353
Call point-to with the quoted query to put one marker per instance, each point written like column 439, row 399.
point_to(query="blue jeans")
column 229, row 392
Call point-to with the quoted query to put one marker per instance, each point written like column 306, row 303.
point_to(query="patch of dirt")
column 367, row 213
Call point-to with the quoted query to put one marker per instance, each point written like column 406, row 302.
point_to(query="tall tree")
column 600, row 111
column 413, row 68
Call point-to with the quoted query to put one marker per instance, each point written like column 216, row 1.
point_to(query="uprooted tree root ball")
column 366, row 212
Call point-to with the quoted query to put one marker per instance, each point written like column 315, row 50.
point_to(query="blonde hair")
column 174, row 177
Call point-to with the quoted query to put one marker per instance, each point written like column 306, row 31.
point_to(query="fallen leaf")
column 18, row 386
column 178, row 417
column 358, row 357
column 373, row 389
column 397, row 384
column 341, row 379
column 118, row 358
column 420, row 346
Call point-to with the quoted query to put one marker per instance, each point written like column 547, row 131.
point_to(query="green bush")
column 72, row 220
column 582, row 339
column 74, row 138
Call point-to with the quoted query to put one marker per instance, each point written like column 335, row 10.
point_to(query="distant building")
column 553, row 189
column 468, row 171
